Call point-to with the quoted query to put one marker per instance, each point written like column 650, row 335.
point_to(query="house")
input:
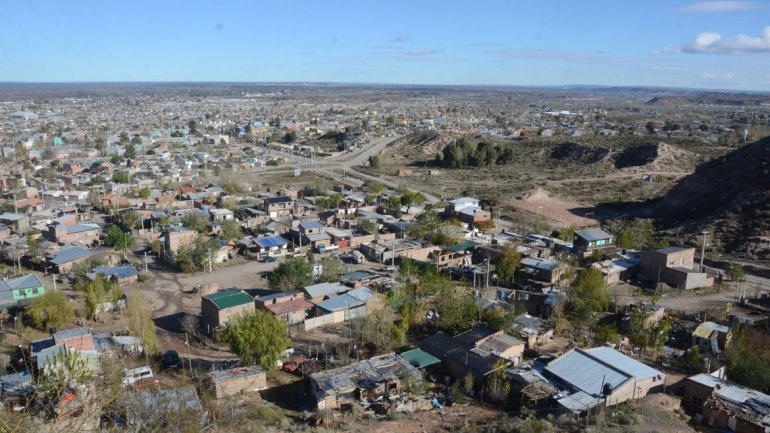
column 673, row 266
column 86, row 234
column 291, row 307
column 16, row 390
column 19, row 223
column 48, row 353
column 458, row 204
column 121, row 274
column 541, row 270
column 218, row 308
column 236, row 381
column 711, row 337
column 146, row 409
column 17, row 292
column 474, row 352
column 271, row 246
column 221, row 214
column 175, row 237
column 474, row 215
column 587, row 241
column 319, row 292
column 651, row 313
column 278, row 207
column 69, row 256
column 533, row 330
column 617, row 270
column 727, row 406
column 582, row 379
column 369, row 379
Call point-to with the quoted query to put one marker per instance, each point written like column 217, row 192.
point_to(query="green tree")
column 606, row 334
column 257, row 337
column 130, row 151
column 195, row 221
column 144, row 192
column 507, row 263
column 140, row 322
column 456, row 309
column 567, row 234
column 52, row 309
column 231, row 230
column 591, row 290
column 52, row 383
column 291, row 274
column 374, row 162
column 120, row 177
column 332, row 270
column 736, row 272
column 118, row 239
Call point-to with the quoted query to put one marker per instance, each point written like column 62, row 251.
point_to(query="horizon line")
column 340, row 83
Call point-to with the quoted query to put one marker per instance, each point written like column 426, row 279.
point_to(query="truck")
column 327, row 248
column 358, row 257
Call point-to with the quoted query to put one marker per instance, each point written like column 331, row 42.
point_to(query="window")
column 681, row 260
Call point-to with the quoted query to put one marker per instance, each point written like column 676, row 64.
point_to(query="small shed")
column 235, row 381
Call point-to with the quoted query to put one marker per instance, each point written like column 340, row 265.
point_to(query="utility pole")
column 703, row 249
column 145, row 264
column 189, row 359
column 209, row 250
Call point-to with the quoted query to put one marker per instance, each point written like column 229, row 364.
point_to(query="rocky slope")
column 731, row 196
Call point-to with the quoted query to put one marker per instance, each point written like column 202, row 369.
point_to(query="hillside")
column 731, row 195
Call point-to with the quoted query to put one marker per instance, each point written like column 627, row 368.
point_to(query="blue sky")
column 707, row 44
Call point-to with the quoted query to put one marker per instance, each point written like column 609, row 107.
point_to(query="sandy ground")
column 562, row 212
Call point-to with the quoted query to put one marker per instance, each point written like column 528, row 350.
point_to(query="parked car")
column 269, row 259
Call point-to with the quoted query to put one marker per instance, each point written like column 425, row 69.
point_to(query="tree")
column 71, row 369
column 374, row 162
column 332, row 270
column 456, row 309
column 144, row 192
column 53, row 309
column 606, row 334
column 140, row 322
column 591, row 290
column 100, row 290
column 118, row 239
column 507, row 263
column 499, row 319
column 194, row 256
column 120, row 177
column 736, row 273
column 567, row 234
column 257, row 337
column 650, row 126
column 130, row 151
column 130, row 220
column 291, row 274
column 231, row 230
column 195, row 221
column 374, row 187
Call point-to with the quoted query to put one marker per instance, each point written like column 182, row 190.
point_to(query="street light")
column 53, row 277
column 703, row 249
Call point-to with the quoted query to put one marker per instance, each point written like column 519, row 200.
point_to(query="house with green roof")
column 218, row 308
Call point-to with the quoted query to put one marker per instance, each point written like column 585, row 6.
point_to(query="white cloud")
column 715, row 43
column 718, row 76
column 421, row 52
column 722, row 6
column 402, row 38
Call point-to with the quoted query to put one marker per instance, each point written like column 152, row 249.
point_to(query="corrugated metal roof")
column 325, row 289
column 362, row 293
column 273, row 241
column 24, row 282
column 68, row 254
column 593, row 234
column 340, row 302
column 585, row 373
column 420, row 358
column 624, row 363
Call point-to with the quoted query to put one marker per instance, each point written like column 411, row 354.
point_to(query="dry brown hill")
column 731, row 195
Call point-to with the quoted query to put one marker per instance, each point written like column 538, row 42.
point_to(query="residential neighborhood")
column 247, row 255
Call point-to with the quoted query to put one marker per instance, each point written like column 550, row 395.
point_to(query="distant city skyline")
column 659, row 43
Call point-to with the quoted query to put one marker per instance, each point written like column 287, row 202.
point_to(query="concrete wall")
column 238, row 385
